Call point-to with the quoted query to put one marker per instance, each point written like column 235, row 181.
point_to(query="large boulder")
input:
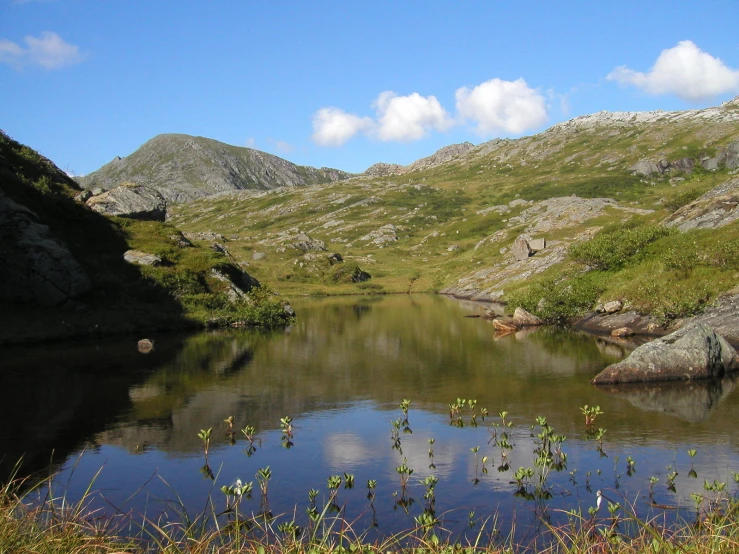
column 37, row 268
column 716, row 208
column 692, row 352
column 132, row 201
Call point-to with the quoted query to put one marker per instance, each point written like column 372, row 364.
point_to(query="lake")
column 101, row 412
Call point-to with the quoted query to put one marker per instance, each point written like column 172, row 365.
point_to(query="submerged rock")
column 692, row 352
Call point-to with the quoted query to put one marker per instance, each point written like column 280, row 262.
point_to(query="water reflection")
column 691, row 401
column 340, row 372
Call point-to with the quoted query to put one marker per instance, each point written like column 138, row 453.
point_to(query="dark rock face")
column 37, row 268
column 692, row 352
column 132, row 201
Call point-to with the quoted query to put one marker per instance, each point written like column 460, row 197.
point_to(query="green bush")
column 678, row 200
column 558, row 300
column 614, row 246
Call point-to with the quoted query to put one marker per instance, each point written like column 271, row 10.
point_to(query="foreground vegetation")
column 34, row 519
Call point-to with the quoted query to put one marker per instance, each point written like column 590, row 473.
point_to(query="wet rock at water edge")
column 692, row 352
column 522, row 318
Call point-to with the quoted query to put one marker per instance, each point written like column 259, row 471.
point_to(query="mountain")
column 183, row 168
column 484, row 221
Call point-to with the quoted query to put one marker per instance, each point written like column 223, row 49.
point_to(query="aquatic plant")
column 405, row 473
column 204, row 435
column 590, row 413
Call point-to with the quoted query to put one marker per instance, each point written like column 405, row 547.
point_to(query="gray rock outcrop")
column 137, row 257
column 692, row 352
column 36, row 267
column 520, row 248
column 716, row 208
column 132, row 201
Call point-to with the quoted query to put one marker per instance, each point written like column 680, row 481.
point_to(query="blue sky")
column 349, row 83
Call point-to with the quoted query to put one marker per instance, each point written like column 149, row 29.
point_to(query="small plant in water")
column 692, row 473
column 590, row 413
column 286, row 425
column 204, row 435
column 630, row 466
column 405, row 473
column 371, row 486
column 348, row 480
column 431, row 453
column 249, row 433
column 263, row 476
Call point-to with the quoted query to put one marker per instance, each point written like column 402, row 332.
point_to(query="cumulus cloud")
column 49, row 51
column 497, row 105
column 407, row 118
column 333, row 127
column 684, row 70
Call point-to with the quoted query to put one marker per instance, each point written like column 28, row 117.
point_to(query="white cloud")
column 333, row 127
column 283, row 147
column 684, row 70
column 408, row 118
column 250, row 142
column 49, row 51
column 497, row 105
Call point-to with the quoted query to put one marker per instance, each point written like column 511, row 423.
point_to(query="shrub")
column 614, row 246
column 558, row 301
column 678, row 200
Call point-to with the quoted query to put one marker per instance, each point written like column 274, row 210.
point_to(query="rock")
column 505, row 326
column 716, row 208
column 728, row 157
column 83, row 196
column 453, row 248
column 622, row 332
column 141, row 258
column 97, row 191
column 305, row 243
column 602, row 322
column 537, row 245
column 613, row 306
column 239, row 282
column 180, row 240
column 37, row 268
column 522, row 318
column 386, row 233
column 520, row 248
column 256, row 256
column 132, row 201
column 145, row 346
column 335, row 258
column 288, row 309
column 693, row 352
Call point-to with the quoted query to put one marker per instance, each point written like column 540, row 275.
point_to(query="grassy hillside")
column 455, row 222
column 180, row 292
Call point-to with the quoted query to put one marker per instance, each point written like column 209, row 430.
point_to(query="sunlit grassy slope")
column 445, row 217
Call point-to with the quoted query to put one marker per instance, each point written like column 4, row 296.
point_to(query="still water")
column 129, row 422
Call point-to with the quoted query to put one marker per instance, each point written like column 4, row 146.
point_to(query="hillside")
column 450, row 222
column 68, row 271
column 183, row 168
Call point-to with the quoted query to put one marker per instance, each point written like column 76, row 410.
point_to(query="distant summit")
column 184, row 168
